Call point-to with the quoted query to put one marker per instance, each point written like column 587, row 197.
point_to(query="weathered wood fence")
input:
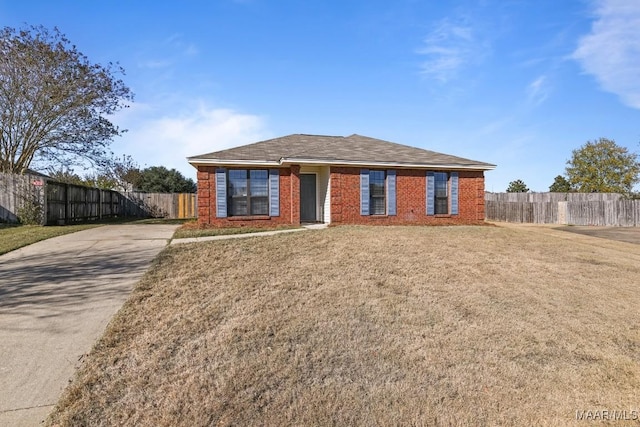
column 18, row 190
column 60, row 203
column 608, row 209
column 165, row 205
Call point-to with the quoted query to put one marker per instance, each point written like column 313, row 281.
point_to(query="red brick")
column 345, row 199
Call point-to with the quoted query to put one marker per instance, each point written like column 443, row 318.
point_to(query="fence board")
column 601, row 209
column 163, row 205
column 66, row 203
column 15, row 190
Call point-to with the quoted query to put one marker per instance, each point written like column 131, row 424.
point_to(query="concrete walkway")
column 56, row 298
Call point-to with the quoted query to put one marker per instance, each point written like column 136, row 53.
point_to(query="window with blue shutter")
column 391, row 192
column 377, row 204
column 442, row 193
column 431, row 190
column 274, row 192
column 221, row 193
column 248, row 192
column 454, row 193
column 364, row 191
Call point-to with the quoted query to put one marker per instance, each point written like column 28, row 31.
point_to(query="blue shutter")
column 431, row 196
column 454, row 193
column 221, row 193
column 391, row 192
column 364, row 191
column 274, row 192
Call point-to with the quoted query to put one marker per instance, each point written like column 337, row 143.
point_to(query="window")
column 248, row 192
column 441, row 193
column 377, row 205
column 378, row 192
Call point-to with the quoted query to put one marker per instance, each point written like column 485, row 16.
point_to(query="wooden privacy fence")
column 66, row 203
column 165, row 205
column 60, row 203
column 605, row 209
column 16, row 191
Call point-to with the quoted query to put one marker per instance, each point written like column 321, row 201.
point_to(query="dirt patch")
column 620, row 234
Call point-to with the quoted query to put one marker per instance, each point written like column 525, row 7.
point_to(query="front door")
column 307, row 197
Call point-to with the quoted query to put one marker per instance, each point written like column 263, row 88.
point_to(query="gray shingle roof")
column 354, row 149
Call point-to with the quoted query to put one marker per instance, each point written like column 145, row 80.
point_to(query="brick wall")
column 411, row 199
column 345, row 199
column 289, row 201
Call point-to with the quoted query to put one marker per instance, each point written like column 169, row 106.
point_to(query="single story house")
column 336, row 180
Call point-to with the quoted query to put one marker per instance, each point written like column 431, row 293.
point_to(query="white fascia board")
column 323, row 162
column 290, row 161
column 218, row 162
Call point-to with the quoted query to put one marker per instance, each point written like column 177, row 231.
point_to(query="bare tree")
column 54, row 102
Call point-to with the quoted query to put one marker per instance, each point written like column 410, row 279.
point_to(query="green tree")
column 126, row 172
column 159, row 179
column 517, row 186
column 118, row 173
column 602, row 166
column 54, row 102
column 560, row 185
column 67, row 176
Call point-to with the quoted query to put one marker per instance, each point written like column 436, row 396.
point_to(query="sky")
column 516, row 83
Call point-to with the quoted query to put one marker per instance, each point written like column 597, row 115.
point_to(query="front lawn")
column 371, row 326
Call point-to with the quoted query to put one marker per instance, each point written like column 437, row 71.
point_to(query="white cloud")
column 449, row 47
column 611, row 51
column 168, row 140
column 538, row 91
column 154, row 64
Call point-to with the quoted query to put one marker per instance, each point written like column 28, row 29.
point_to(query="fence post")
column 562, row 213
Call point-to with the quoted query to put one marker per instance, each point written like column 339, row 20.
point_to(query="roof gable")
column 322, row 149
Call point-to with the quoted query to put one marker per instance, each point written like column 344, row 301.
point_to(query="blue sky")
column 516, row 83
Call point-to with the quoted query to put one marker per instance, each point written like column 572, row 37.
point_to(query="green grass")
column 13, row 237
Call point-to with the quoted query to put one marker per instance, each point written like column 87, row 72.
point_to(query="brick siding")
column 410, row 201
column 345, row 199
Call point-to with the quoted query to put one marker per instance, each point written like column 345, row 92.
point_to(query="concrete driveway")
column 56, row 298
column 621, row 234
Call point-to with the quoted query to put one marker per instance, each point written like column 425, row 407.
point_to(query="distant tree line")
column 125, row 175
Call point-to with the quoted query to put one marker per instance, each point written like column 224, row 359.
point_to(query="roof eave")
column 400, row 165
column 215, row 162
column 287, row 161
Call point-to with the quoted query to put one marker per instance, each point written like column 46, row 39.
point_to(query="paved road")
column 56, row 298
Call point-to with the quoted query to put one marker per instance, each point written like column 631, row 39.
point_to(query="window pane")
column 259, row 205
column 441, row 184
column 377, row 206
column 238, row 206
column 237, row 182
column 376, row 192
column 441, row 196
column 237, row 192
column 442, row 206
column 259, row 180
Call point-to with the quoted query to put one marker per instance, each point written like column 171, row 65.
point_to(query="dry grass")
column 371, row 326
column 193, row 229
